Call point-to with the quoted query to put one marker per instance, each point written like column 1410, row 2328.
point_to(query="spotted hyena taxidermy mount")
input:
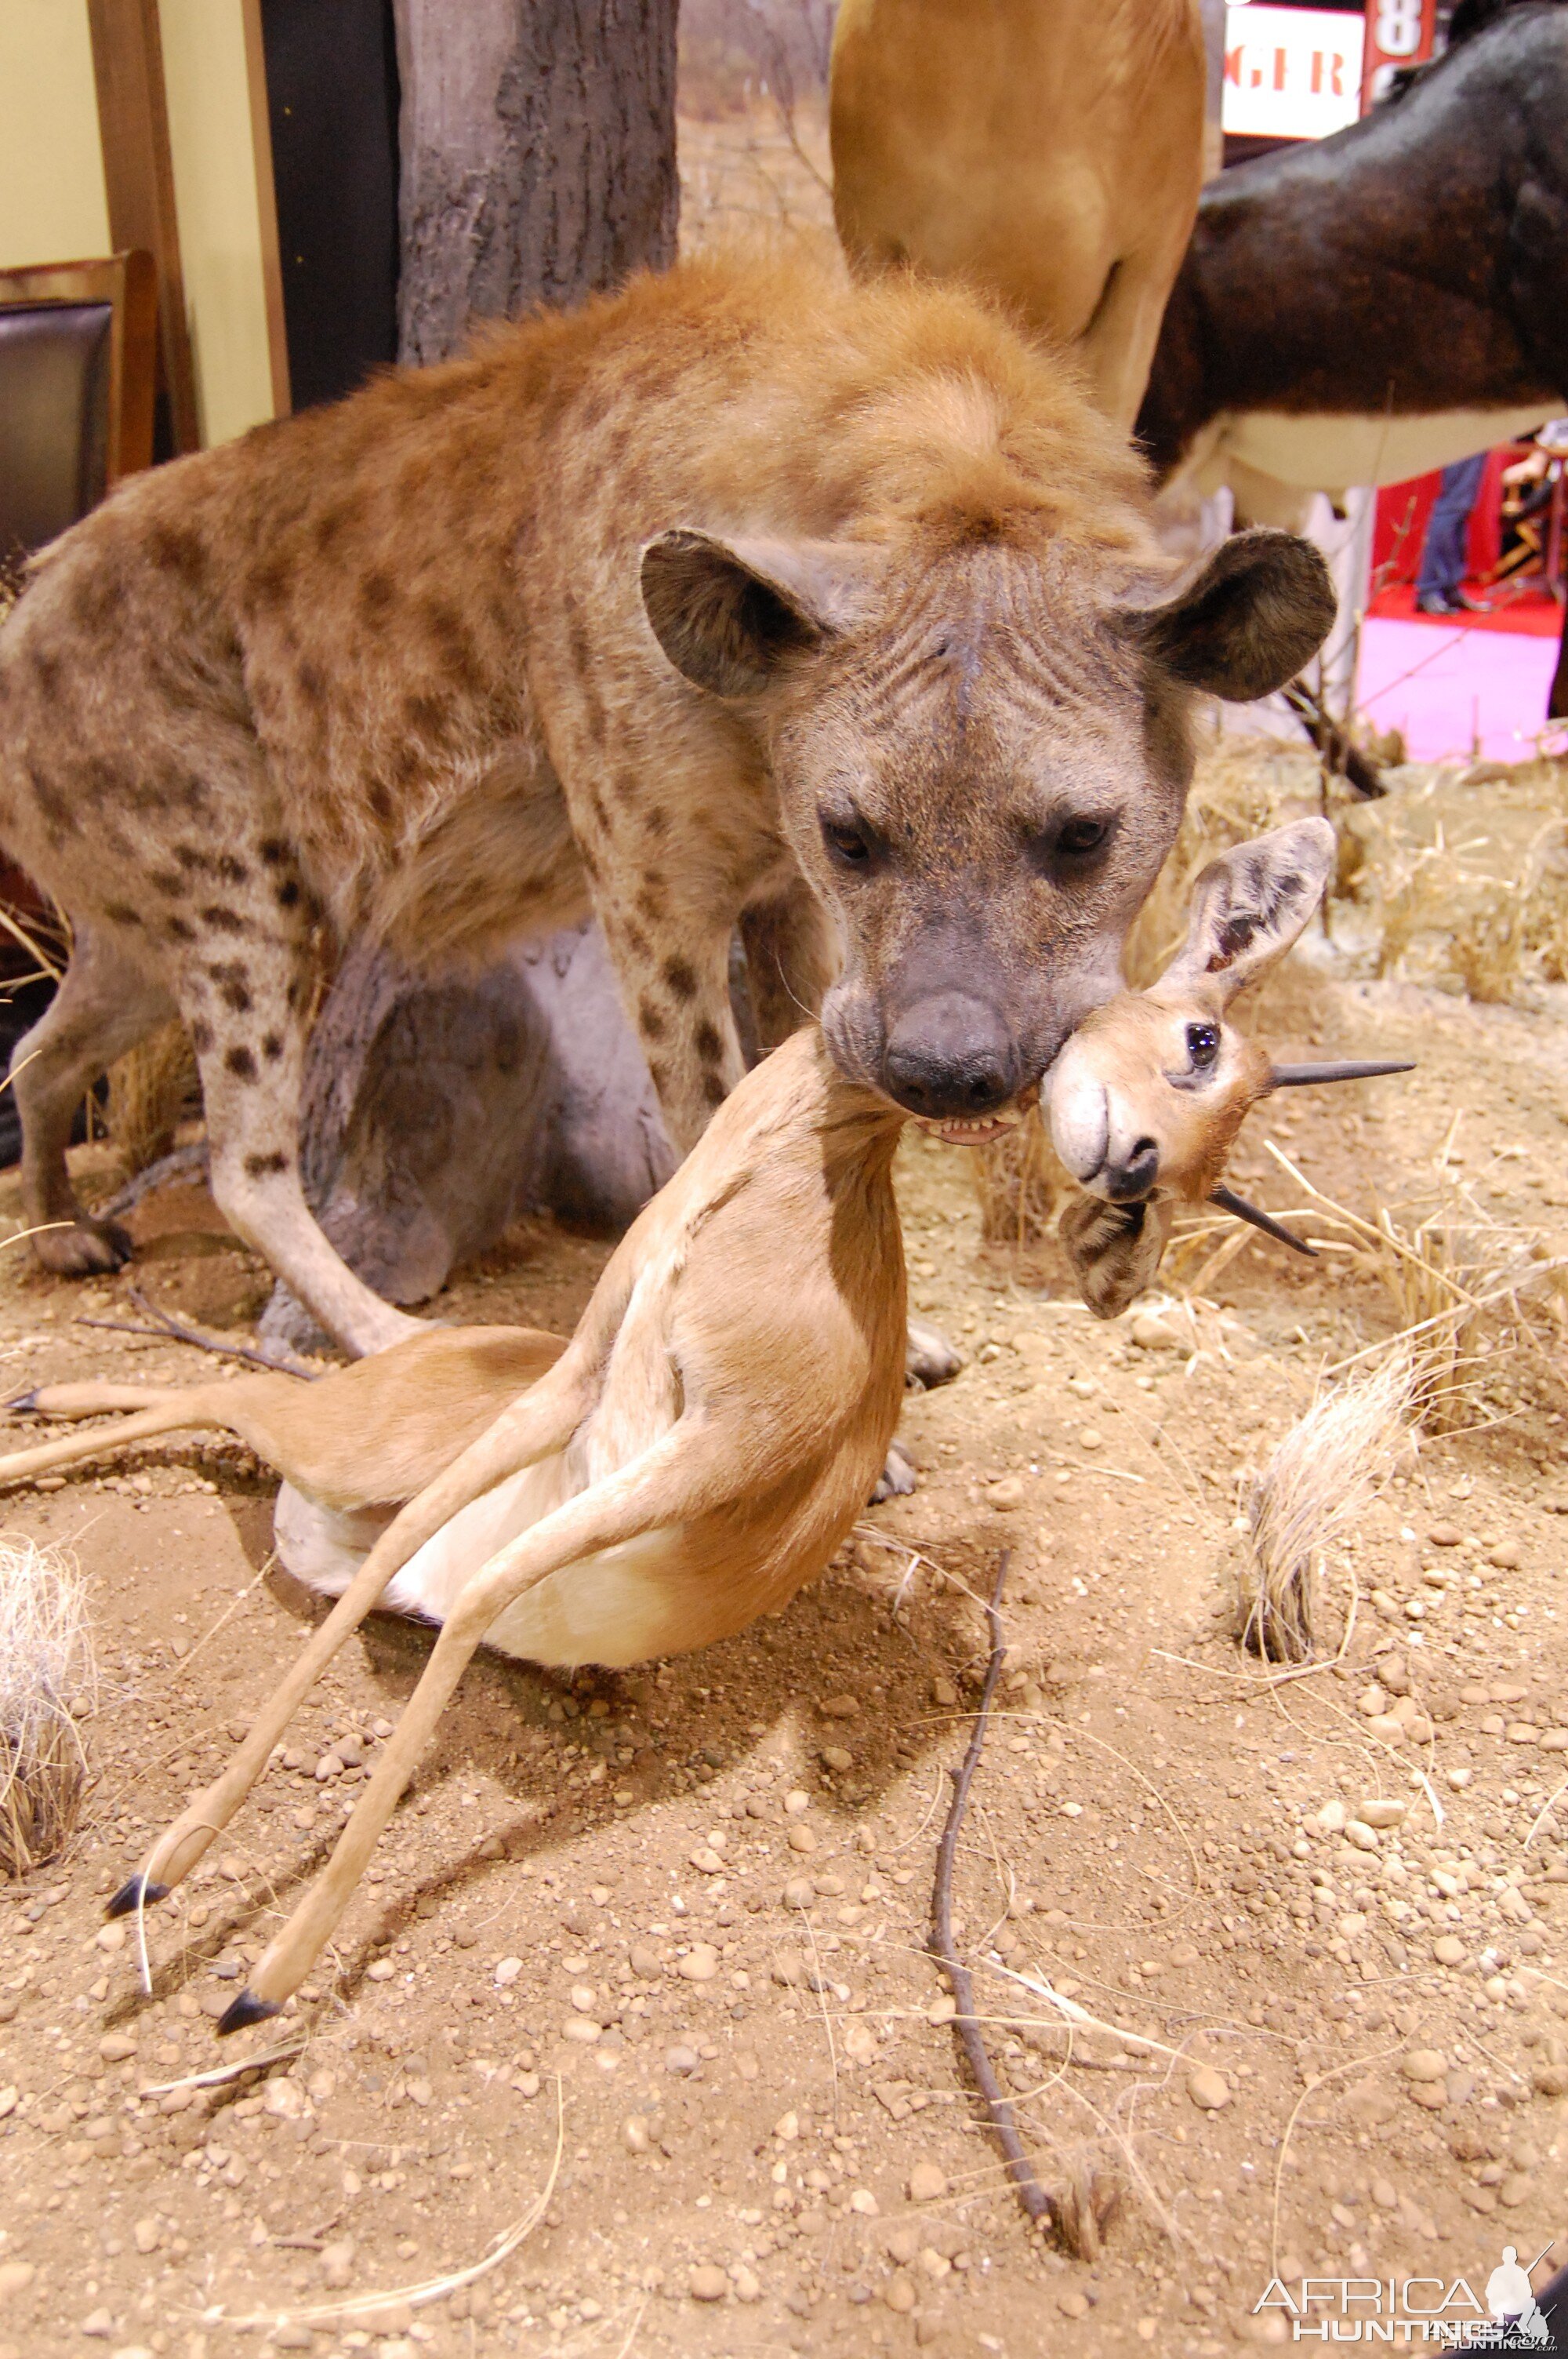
column 740, row 598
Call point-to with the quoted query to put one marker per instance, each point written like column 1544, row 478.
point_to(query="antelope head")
column 1149, row 1094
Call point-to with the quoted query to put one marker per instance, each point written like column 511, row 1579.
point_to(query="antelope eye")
column 1203, row 1045
column 846, row 844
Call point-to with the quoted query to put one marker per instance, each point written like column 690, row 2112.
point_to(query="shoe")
column 1449, row 602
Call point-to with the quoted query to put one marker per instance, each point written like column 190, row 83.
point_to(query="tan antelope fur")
column 697, row 1451
column 744, row 596
column 1147, row 1097
column 1049, row 151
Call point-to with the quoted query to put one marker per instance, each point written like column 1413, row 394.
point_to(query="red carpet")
column 1529, row 611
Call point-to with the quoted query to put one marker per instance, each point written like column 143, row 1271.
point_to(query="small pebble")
column 1445, row 1535
column 1073, row 2304
column 1424, row 2064
column 707, row 2282
column 840, row 1707
column 1208, row 2089
column 943, row 1691
column 144, row 2235
column 681, row 2059
column 1448, row 1950
column 381, row 1970
column 16, row 2277
column 707, row 1862
column 699, row 1965
column 644, row 1963
column 927, row 2183
column 338, row 2264
column 899, row 2295
column 834, row 1757
column 506, row 1972
column 1382, row 1813
column 801, row 1839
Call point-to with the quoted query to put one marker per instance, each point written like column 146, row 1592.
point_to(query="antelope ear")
column 1114, row 1249
column 1247, row 619
column 1251, row 904
column 728, row 613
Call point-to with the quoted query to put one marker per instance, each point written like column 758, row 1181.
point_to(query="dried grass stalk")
column 1021, row 1185
column 47, row 1687
column 150, row 1090
column 1315, row 1486
column 1465, row 1291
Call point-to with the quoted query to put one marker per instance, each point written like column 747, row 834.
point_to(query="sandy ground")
column 664, row 1936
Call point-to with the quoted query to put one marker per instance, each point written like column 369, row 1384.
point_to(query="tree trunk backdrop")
column 537, row 165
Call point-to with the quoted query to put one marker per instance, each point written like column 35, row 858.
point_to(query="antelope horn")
column 1296, row 1077
column 1229, row 1202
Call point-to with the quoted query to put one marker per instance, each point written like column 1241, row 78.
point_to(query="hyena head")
column 981, row 748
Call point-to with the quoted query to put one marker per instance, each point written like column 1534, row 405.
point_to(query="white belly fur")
column 1325, row 452
column 615, row 1608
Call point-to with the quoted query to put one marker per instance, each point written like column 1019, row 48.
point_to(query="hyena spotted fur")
column 740, row 597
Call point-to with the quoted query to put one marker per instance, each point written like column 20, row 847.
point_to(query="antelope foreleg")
column 528, row 1430
column 667, row 1484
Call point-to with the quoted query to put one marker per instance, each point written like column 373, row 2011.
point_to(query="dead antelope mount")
column 703, row 1443
column 694, row 1455
column 1150, row 1092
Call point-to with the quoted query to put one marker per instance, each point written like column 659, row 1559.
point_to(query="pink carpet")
column 1456, row 692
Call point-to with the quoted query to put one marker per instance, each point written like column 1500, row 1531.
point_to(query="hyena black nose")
column 951, row 1058
column 1129, row 1177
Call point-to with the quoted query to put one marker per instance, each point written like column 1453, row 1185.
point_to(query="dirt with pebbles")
column 678, row 1920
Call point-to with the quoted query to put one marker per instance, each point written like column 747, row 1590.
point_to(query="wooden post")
column 133, row 121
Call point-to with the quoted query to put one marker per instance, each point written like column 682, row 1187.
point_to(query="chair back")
column 78, row 361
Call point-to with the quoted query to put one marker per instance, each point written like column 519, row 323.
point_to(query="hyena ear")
column 727, row 613
column 1246, row 620
column 1114, row 1249
column 1251, row 904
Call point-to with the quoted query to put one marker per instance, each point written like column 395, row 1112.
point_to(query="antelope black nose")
column 1132, row 1177
column 951, row 1058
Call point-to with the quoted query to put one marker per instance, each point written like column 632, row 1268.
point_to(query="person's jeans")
column 1442, row 552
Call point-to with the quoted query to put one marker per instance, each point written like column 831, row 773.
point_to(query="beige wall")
column 52, row 205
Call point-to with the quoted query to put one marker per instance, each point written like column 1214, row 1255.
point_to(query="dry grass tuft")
column 48, row 1686
column 1315, row 1486
column 149, row 1090
column 1021, row 1186
column 1466, row 1290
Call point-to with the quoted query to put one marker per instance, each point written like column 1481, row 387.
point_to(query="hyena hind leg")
column 105, row 1005
column 250, row 1048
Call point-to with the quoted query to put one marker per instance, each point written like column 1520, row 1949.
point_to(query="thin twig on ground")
column 1031, row 2194
column 167, row 1328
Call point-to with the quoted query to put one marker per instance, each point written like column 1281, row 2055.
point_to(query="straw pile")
column 48, row 1688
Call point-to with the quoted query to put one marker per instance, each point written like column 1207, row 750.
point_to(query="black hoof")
column 137, row 1890
column 25, row 1404
column 242, row 2012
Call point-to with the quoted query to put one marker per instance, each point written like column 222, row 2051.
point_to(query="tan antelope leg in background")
column 155, row 1411
column 545, row 1420
column 667, row 1485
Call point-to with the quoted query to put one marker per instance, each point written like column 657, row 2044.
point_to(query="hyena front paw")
column 898, row 1477
column 85, row 1248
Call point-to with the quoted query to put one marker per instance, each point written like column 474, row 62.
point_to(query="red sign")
column 1398, row 33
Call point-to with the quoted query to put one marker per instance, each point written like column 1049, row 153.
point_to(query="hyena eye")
column 846, row 844
column 1079, row 837
column 1203, row 1045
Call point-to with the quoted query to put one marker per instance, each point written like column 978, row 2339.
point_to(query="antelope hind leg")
column 527, row 1431
column 661, row 1488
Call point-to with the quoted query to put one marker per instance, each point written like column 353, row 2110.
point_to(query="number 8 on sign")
column 1398, row 33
